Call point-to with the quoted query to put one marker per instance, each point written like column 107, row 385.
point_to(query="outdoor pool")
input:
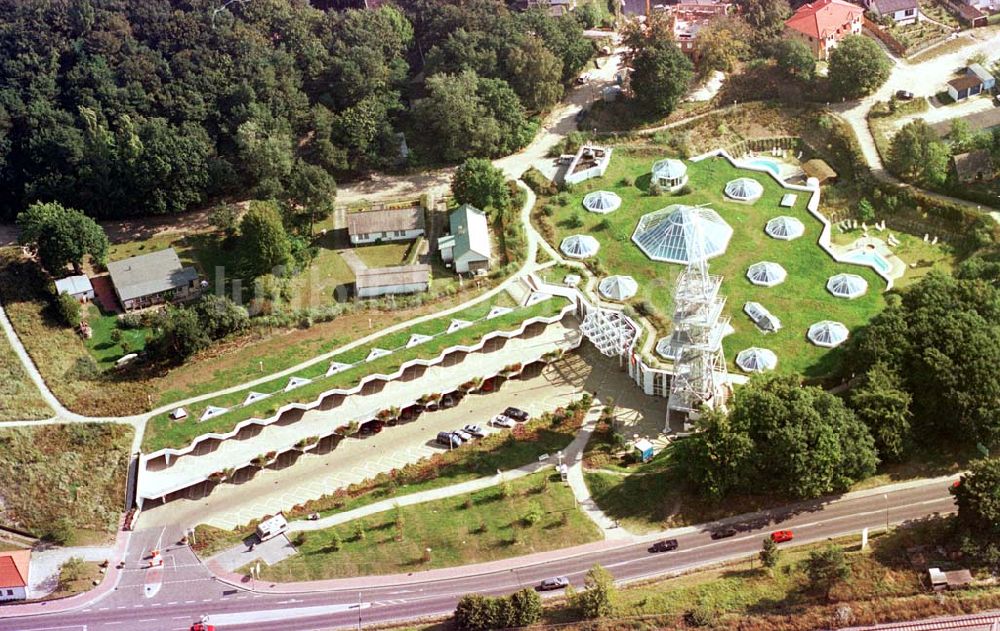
column 869, row 258
column 771, row 165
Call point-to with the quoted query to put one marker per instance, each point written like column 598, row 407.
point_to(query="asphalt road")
column 188, row 590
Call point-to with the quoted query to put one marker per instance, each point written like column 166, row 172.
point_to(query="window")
column 909, row 12
column 10, row 592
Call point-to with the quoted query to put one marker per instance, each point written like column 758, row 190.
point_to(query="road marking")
column 147, row 620
column 271, row 615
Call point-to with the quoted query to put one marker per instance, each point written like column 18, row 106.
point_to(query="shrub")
column 533, row 515
column 336, row 543
column 300, row 539
column 574, row 221
column 602, row 225
column 68, row 309
column 60, row 531
column 655, row 190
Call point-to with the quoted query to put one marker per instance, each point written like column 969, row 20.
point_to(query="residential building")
column 77, row 286
column 468, row 246
column 900, row 11
column 690, row 16
column 383, row 281
column 974, row 80
column 984, row 5
column 974, row 166
column 14, row 567
column 822, row 24
column 555, row 8
column 151, row 279
column 372, row 226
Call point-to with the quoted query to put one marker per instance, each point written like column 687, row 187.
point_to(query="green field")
column 104, row 349
column 481, row 526
column 800, row 301
column 163, row 432
column 19, row 398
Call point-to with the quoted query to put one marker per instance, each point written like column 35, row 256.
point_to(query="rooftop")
column 968, row 165
column 470, row 230
column 886, row 7
column 369, row 221
column 14, row 567
column 149, row 274
column 823, row 18
column 74, row 285
column 966, row 82
column 388, row 276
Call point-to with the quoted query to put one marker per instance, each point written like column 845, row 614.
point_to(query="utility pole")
column 886, row 496
column 359, row 611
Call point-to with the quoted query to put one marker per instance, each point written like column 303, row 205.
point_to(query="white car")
column 475, row 430
column 502, row 421
column 464, row 435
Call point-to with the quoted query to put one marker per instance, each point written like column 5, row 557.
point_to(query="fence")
column 789, row 143
column 886, row 38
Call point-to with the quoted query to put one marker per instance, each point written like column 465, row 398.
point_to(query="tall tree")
column 264, row 245
column 795, row 59
column 721, row 44
column 977, row 495
column 661, row 73
column 478, row 182
column 857, row 67
column 827, row 568
column 61, row 236
column 535, row 73
column 884, row 406
column 311, row 192
column 766, row 17
column 916, row 153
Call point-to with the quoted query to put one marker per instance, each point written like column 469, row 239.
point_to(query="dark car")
column 904, row 95
column 668, row 545
column 371, row 427
column 448, row 439
column 517, row 414
column 723, row 533
column 448, row 401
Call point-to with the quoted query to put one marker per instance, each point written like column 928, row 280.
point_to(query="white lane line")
column 271, row 615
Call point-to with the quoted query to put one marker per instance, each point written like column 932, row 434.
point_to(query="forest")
column 131, row 108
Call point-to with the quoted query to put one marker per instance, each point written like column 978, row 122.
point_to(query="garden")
column 798, row 302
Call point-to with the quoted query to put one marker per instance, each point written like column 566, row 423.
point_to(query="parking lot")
column 311, row 475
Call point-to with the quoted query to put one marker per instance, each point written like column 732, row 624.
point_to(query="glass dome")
column 756, row 359
column 785, row 228
column 618, row 287
column 602, row 202
column 682, row 234
column 669, row 169
column 827, row 333
column 744, row 189
column 847, row 286
column 766, row 274
column 764, row 319
column 579, row 246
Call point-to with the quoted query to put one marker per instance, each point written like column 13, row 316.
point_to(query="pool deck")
column 897, row 267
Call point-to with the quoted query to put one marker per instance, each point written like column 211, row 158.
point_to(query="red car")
column 781, row 536
column 201, row 626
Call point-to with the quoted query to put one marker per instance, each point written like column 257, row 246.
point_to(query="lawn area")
column 653, row 496
column 101, row 345
column 532, row 514
column 384, row 254
column 19, row 398
column 74, row 471
column 163, row 432
column 76, row 576
column 799, row 302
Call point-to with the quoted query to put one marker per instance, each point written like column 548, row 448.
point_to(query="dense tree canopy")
column 916, row 153
column 264, row 244
column 766, row 17
column 942, row 338
column 61, row 236
column 977, row 496
column 795, row 59
column 778, row 437
column 858, row 67
column 478, row 182
column 884, row 406
column 661, row 73
column 152, row 106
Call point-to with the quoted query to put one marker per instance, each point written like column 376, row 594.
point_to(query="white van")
column 272, row 527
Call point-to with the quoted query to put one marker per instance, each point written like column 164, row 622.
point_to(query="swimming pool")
column 869, row 258
column 771, row 165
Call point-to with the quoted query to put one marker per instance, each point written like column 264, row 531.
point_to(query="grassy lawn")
column 327, row 278
column 104, row 349
column 384, row 254
column 484, row 526
column 654, row 496
column 74, row 471
column 798, row 302
column 882, row 120
column 19, row 398
column 163, row 432
column 76, row 576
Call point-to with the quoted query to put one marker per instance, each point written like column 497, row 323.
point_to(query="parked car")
column 487, row 386
column 475, row 430
column 202, row 625
column 723, row 533
column 502, row 421
column 517, row 414
column 448, row 439
column 781, row 536
column 464, row 435
column 583, row 79
column 667, row 545
column 371, row 427
column 904, row 95
column 448, row 401
column 559, row 582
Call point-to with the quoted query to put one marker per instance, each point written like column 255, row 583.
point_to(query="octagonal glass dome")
column 847, row 286
column 827, row 334
column 579, row 246
column 785, row 228
column 756, row 359
column 602, row 202
column 744, row 189
column 766, row 274
column 682, row 234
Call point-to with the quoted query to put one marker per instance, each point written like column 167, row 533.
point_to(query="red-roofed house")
column 14, row 574
column 823, row 23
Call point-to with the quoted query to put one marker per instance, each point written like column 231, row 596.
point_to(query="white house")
column 370, row 226
column 901, row 11
column 78, row 287
column 14, row 566
column 382, row 281
column 975, row 80
column 468, row 245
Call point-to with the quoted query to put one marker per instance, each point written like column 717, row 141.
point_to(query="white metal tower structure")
column 700, row 374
